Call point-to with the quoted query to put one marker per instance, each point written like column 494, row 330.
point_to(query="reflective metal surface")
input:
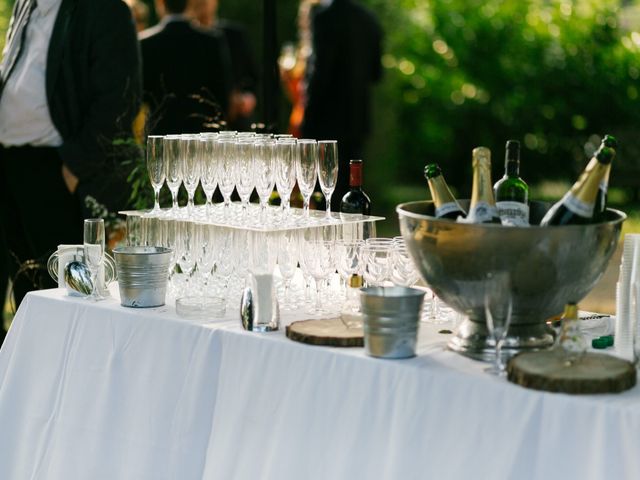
column 246, row 309
column 391, row 317
column 77, row 277
column 549, row 267
column 142, row 275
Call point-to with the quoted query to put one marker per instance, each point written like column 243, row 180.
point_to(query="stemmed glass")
column 376, row 263
column 288, row 254
column 155, row 168
column 317, row 255
column 94, row 252
column 403, row 271
column 285, row 170
column 209, row 174
column 244, row 170
column 226, row 176
column 263, row 160
column 191, row 154
column 307, row 170
column 328, row 170
column 497, row 309
column 173, row 168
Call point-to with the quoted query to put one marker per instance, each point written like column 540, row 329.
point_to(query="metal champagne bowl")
column 548, row 266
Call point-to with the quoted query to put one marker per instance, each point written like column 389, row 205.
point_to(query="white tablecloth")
column 94, row 391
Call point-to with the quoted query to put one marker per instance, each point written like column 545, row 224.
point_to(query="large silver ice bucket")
column 549, row 266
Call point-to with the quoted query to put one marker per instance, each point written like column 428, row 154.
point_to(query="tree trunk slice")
column 551, row 371
column 331, row 332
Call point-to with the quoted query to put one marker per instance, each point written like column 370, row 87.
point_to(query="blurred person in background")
column 293, row 66
column 344, row 64
column 70, row 87
column 243, row 66
column 140, row 13
column 186, row 73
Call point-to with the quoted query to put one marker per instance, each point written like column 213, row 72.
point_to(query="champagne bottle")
column 601, row 201
column 355, row 200
column 511, row 192
column 445, row 203
column 483, row 206
column 578, row 204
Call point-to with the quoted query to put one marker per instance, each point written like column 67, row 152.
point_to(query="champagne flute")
column 209, row 176
column 173, row 168
column 498, row 305
column 191, row 153
column 285, row 171
column 155, row 167
column 328, row 170
column 94, row 252
column 307, row 170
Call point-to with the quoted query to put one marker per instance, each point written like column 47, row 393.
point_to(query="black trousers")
column 37, row 213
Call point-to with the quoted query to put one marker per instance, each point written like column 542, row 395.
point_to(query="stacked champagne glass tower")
column 217, row 245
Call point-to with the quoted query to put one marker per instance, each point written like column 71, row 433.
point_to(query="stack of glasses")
column 313, row 265
column 242, row 161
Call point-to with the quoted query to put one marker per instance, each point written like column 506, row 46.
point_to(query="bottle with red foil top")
column 355, row 200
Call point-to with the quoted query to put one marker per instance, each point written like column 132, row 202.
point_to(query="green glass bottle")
column 511, row 192
column 601, row 200
column 578, row 204
column 482, row 208
column 445, row 203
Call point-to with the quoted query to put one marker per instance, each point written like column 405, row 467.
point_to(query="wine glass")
column 288, row 255
column 497, row 308
column 94, row 252
column 209, row 175
column 263, row 161
column 317, row 256
column 244, row 169
column 307, row 170
column 226, row 176
column 191, row 154
column 285, row 170
column 173, row 168
column 328, row 170
column 376, row 263
column 155, row 168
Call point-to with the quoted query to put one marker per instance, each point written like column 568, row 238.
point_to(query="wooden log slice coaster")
column 327, row 331
column 552, row 371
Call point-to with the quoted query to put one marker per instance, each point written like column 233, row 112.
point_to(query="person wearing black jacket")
column 186, row 72
column 344, row 64
column 70, row 85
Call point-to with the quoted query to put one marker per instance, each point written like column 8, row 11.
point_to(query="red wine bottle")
column 355, row 200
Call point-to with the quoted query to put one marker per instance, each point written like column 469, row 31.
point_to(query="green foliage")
column 463, row 73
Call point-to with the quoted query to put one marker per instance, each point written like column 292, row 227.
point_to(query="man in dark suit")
column 345, row 63
column 243, row 65
column 186, row 72
column 70, row 85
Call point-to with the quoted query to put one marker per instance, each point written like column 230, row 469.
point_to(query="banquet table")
column 93, row 390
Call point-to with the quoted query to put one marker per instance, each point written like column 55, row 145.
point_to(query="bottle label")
column 482, row 212
column 513, row 214
column 577, row 206
column 447, row 208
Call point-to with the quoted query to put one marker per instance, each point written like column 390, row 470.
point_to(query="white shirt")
column 24, row 112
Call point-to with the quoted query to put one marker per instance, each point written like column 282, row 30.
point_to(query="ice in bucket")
column 391, row 319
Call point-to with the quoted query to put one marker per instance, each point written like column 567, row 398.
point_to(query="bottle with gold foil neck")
column 446, row 205
column 483, row 206
column 578, row 204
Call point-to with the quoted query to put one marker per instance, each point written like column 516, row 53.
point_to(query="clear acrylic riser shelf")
column 255, row 218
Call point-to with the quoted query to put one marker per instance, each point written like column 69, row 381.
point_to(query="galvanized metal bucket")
column 391, row 319
column 142, row 275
